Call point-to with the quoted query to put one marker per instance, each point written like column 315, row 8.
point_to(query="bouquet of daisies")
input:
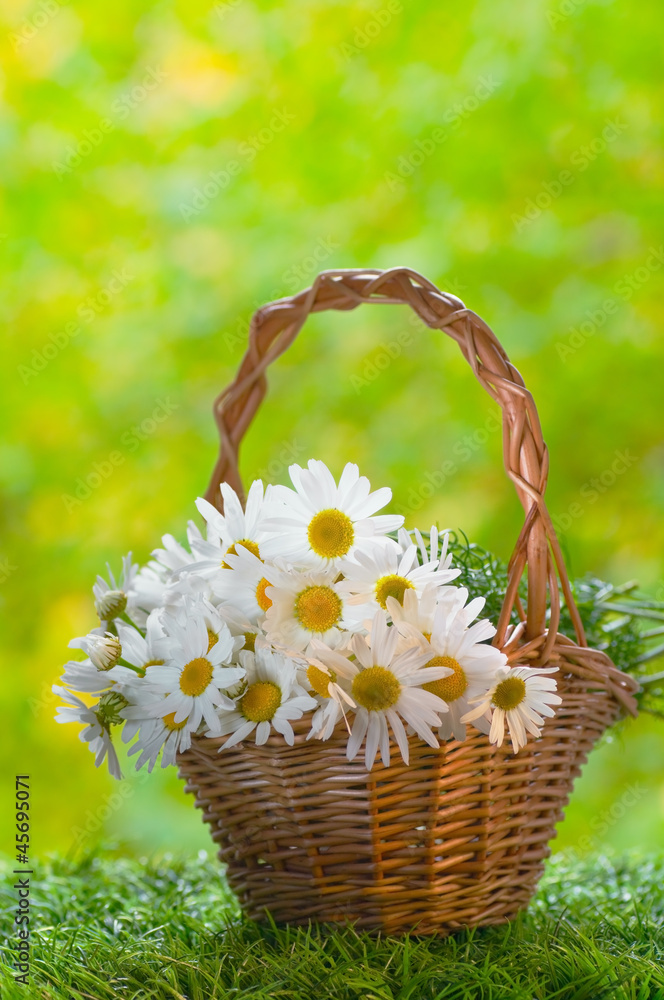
column 306, row 605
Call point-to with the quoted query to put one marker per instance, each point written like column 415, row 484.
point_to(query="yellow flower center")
column 262, row 599
column 213, row 639
column 392, row 586
column 196, row 676
column 509, row 693
column 331, row 533
column 317, row 608
column 250, row 641
column 260, row 701
column 170, row 723
column 247, row 544
column 151, row 663
column 376, row 689
column 320, row 681
column 448, row 688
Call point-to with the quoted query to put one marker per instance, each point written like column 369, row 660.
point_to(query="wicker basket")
column 459, row 836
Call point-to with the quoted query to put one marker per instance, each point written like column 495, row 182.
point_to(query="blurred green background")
column 169, row 167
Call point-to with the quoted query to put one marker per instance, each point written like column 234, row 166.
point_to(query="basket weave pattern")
column 458, row 837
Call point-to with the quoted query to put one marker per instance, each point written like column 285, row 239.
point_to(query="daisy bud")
column 108, row 709
column 110, row 605
column 105, row 651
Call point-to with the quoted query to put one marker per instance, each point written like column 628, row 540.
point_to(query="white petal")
column 284, row 727
column 373, row 736
column 240, row 734
column 360, row 724
column 497, row 732
column 399, row 733
column 262, row 733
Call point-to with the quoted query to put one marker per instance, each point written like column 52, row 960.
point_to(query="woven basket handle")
column 275, row 326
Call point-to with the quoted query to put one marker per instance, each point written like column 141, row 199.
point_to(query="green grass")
column 108, row 928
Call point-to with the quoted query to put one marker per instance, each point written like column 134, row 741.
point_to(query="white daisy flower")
column 325, row 685
column 272, row 699
column 428, row 553
column 98, row 720
column 382, row 572
column 386, row 688
column 326, row 716
column 121, row 596
column 174, row 557
column 154, row 735
column 103, row 648
column 452, row 642
column 160, row 583
column 195, row 673
column 246, row 584
column 149, row 586
column 84, row 677
column 239, row 625
column 101, row 671
column 144, row 651
column 319, row 522
column 520, row 696
column 304, row 605
column 417, row 611
column 157, row 583
column 234, row 528
column 200, row 606
column 185, row 586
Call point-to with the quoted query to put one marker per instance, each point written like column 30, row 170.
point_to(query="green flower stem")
column 124, row 663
